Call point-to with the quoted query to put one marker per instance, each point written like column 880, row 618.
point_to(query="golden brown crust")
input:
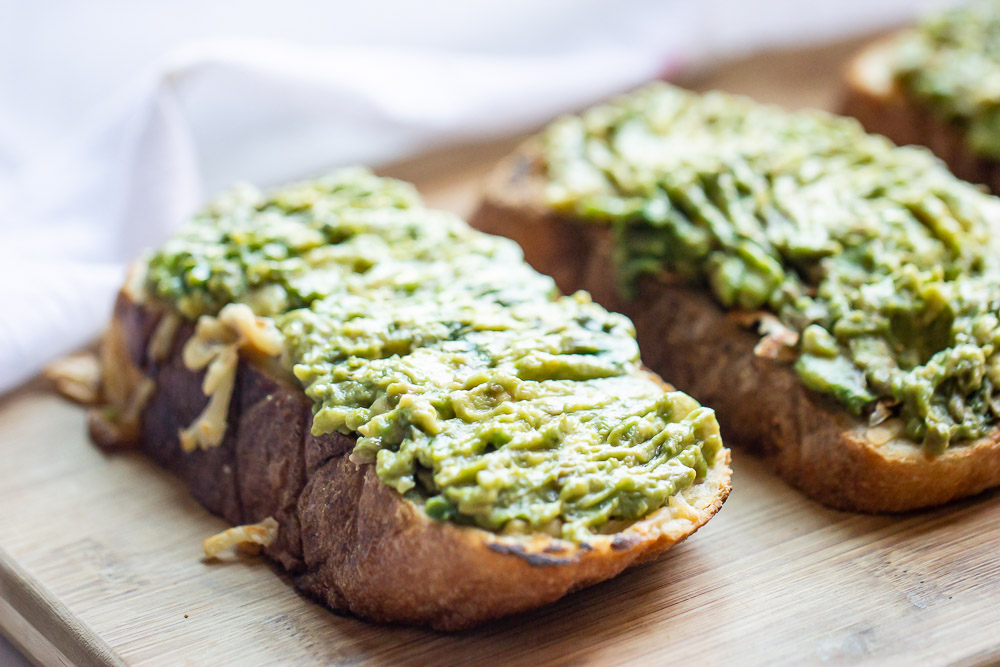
column 814, row 443
column 349, row 540
column 873, row 97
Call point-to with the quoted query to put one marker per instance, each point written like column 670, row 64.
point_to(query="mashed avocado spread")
column 884, row 263
column 951, row 64
column 473, row 387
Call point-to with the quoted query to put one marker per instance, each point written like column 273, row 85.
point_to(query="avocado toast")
column 833, row 296
column 401, row 412
column 935, row 84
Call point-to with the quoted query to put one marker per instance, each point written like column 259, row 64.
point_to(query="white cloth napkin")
column 230, row 109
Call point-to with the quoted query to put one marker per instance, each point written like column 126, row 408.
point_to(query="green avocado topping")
column 884, row 263
column 473, row 387
column 951, row 64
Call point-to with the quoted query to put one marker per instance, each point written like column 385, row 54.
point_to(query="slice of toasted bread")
column 814, row 443
column 873, row 96
column 349, row 540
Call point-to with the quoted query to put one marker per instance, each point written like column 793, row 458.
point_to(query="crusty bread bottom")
column 814, row 443
column 348, row 540
column 872, row 96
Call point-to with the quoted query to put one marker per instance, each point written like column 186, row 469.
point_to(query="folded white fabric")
column 245, row 109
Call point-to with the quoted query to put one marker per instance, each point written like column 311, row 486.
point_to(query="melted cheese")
column 163, row 336
column 125, row 392
column 216, row 345
column 249, row 538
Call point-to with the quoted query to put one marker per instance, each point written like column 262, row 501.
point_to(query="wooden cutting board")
column 100, row 556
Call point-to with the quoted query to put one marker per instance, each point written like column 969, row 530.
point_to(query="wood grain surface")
column 100, row 556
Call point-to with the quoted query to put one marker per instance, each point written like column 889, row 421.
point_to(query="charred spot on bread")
column 533, row 558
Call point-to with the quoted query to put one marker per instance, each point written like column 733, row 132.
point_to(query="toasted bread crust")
column 873, row 97
column 813, row 443
column 348, row 540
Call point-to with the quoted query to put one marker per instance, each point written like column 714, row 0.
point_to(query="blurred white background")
column 117, row 117
column 62, row 60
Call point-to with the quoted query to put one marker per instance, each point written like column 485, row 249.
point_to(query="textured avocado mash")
column 473, row 387
column 951, row 64
column 886, row 264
